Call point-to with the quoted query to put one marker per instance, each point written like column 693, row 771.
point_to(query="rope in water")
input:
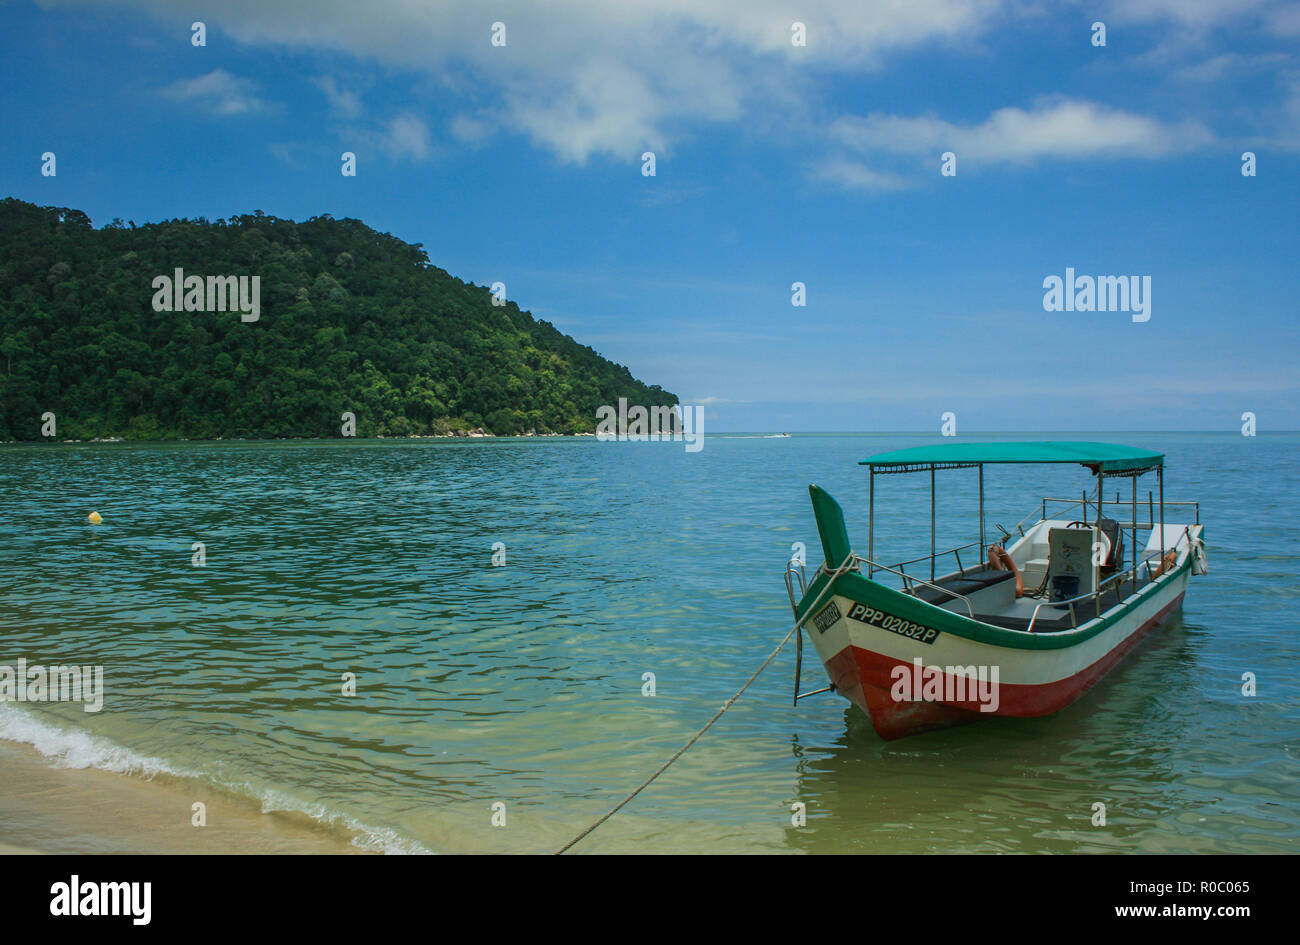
column 849, row 562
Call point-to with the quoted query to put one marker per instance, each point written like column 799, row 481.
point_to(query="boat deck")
column 995, row 604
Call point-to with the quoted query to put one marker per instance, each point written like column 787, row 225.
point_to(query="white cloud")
column 283, row 151
column 344, row 103
column 1192, row 14
column 1285, row 21
column 471, row 130
column 1288, row 136
column 582, row 78
column 852, row 175
column 1053, row 128
column 1227, row 65
column 592, row 77
column 218, row 92
column 407, row 136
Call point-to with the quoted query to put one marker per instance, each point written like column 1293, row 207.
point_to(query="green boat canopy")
column 1106, row 457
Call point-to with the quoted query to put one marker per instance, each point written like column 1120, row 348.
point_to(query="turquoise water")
column 522, row 684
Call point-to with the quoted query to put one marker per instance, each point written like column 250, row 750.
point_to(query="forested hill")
column 350, row 320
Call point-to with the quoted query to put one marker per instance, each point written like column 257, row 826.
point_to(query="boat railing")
column 1117, row 580
column 1084, row 504
column 955, row 552
column 910, row 581
column 1070, row 602
column 794, row 573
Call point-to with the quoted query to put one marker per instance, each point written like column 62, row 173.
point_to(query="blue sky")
column 775, row 164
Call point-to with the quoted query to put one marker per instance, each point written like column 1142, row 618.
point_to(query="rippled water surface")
column 522, row 684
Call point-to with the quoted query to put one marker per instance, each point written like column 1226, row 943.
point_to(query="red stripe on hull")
column 866, row 679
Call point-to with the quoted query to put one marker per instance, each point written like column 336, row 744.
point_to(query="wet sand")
column 45, row 809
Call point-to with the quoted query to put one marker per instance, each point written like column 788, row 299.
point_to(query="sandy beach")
column 50, row 809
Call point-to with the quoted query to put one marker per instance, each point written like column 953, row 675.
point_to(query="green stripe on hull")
column 856, row 587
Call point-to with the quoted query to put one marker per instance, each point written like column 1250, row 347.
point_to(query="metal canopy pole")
column 1134, row 531
column 871, row 520
column 1096, row 569
column 1160, row 478
column 981, row 468
column 932, row 522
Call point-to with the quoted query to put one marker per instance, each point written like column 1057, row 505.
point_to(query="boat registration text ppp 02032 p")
column 1021, row 630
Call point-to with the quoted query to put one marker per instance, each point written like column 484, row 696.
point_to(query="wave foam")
column 70, row 748
column 76, row 749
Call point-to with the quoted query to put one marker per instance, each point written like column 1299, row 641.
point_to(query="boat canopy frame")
column 1104, row 460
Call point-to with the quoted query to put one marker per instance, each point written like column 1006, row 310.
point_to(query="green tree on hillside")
column 351, row 320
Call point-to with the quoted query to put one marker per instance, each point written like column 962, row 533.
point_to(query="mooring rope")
column 849, row 562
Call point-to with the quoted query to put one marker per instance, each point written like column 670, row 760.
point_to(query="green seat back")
column 830, row 526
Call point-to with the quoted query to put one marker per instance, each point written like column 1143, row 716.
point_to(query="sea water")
column 452, row 645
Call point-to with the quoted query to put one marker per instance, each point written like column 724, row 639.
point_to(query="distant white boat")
column 775, row 436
